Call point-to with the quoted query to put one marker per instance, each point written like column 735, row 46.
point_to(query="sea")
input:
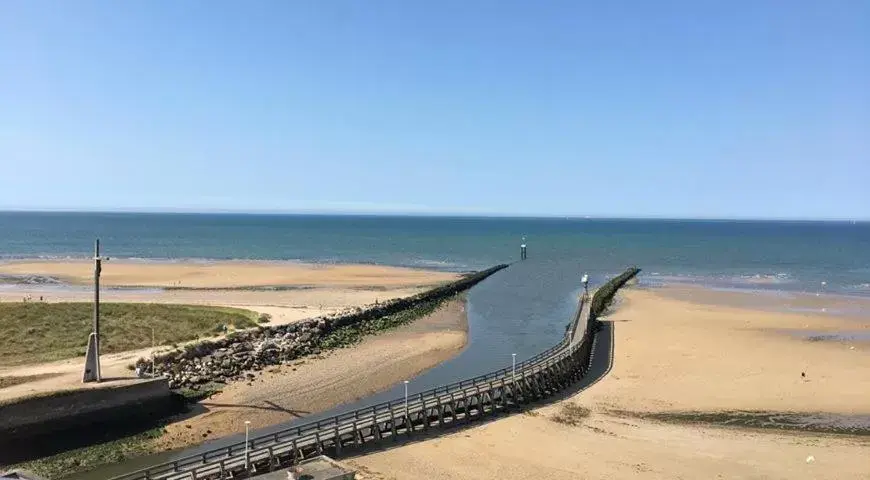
column 816, row 257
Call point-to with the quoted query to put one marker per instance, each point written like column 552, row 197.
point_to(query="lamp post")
column 92, row 357
column 247, row 437
column 514, row 367
column 406, row 398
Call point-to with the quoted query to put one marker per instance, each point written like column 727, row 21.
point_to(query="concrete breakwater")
column 238, row 355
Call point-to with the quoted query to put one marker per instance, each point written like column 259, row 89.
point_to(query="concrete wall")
column 78, row 407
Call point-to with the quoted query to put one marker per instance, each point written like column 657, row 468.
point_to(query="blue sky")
column 670, row 108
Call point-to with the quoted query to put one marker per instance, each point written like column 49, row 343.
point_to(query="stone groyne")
column 605, row 293
column 239, row 354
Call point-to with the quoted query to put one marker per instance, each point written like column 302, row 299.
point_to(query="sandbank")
column 229, row 274
column 673, row 355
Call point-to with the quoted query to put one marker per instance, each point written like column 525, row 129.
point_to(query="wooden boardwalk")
column 458, row 403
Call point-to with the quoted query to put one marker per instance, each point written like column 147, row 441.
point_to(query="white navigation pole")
column 523, row 249
column 92, row 359
column 406, row 398
column 585, row 281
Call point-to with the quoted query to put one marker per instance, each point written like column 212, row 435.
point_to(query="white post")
column 247, row 436
column 406, row 398
column 514, row 367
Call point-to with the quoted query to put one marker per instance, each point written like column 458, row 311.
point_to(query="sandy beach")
column 675, row 355
column 307, row 291
column 312, row 385
column 235, row 274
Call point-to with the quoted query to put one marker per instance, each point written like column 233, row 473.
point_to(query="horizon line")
column 443, row 214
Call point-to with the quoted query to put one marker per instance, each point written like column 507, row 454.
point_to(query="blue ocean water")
column 741, row 254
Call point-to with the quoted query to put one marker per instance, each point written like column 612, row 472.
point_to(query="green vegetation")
column 605, row 293
column 36, row 332
column 352, row 334
column 85, row 458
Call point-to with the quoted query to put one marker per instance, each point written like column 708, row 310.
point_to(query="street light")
column 514, row 367
column 247, row 436
column 406, row 398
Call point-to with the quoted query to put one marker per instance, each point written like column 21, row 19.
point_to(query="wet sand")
column 670, row 356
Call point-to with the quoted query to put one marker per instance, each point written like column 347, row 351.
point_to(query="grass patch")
column 202, row 393
column 35, row 332
column 86, row 458
column 571, row 414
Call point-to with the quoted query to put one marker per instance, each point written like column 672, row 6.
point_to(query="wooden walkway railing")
column 503, row 390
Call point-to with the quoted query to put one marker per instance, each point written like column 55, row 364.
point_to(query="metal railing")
column 311, row 431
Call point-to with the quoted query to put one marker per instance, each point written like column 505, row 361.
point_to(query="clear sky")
column 664, row 108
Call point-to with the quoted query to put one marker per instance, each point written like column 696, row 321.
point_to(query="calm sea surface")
column 731, row 254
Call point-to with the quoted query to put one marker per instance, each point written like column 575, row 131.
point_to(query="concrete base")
column 41, row 426
column 92, row 361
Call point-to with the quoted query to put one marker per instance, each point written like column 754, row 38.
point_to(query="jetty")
column 503, row 391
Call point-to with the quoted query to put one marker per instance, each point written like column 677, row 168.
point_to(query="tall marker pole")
column 92, row 360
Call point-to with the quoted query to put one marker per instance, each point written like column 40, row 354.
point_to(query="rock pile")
column 239, row 354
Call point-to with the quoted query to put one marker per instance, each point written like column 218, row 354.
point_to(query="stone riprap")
column 236, row 356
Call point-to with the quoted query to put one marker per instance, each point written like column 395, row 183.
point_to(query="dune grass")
column 35, row 332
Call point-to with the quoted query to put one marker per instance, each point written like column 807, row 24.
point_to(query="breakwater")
column 239, row 354
column 605, row 293
column 503, row 390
